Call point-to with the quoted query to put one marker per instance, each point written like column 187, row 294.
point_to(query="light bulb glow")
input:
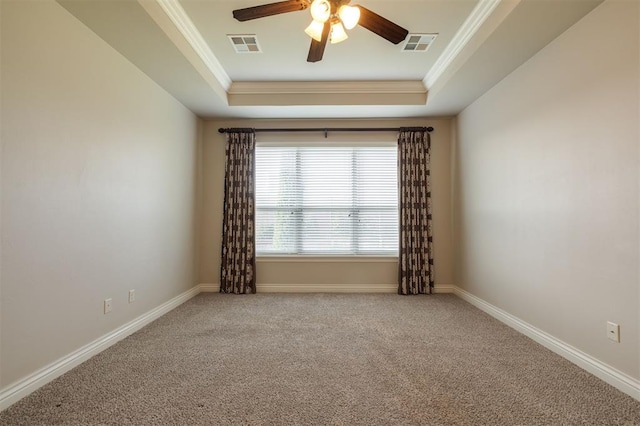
column 314, row 30
column 349, row 15
column 320, row 10
column 338, row 33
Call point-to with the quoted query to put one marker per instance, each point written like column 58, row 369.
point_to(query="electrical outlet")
column 132, row 296
column 107, row 306
column 613, row 332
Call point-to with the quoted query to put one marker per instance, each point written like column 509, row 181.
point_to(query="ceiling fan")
column 330, row 18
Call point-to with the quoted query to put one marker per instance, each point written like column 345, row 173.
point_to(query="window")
column 326, row 200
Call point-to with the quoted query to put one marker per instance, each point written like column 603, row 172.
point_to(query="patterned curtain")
column 238, row 267
column 415, row 271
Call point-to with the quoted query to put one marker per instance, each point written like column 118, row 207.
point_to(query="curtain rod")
column 326, row 130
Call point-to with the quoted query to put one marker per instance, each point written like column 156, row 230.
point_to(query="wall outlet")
column 107, row 306
column 613, row 332
column 132, row 296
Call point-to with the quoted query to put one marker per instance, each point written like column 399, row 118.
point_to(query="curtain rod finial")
column 429, row 129
column 221, row 130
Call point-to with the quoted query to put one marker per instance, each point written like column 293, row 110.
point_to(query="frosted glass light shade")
column 320, row 10
column 338, row 33
column 314, row 30
column 349, row 15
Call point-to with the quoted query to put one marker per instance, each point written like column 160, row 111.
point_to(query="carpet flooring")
column 326, row 359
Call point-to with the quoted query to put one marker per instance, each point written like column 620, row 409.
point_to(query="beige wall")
column 546, row 188
column 339, row 274
column 98, row 188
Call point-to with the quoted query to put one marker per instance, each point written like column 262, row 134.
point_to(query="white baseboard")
column 23, row 387
column 444, row 288
column 326, row 288
column 612, row 376
column 209, row 288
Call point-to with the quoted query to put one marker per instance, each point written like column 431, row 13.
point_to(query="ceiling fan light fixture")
column 321, row 10
column 332, row 16
column 349, row 15
column 338, row 34
column 314, row 30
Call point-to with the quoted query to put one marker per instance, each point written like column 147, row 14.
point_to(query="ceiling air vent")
column 244, row 43
column 418, row 42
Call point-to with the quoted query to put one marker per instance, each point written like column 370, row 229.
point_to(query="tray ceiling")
column 183, row 45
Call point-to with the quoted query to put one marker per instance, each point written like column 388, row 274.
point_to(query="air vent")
column 244, row 43
column 418, row 42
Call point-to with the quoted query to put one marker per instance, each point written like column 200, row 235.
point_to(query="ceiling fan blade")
column 270, row 9
column 316, row 51
column 381, row 26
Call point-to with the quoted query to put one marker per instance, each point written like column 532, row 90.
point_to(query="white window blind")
column 326, row 200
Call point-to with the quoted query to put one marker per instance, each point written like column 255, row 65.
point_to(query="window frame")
column 299, row 255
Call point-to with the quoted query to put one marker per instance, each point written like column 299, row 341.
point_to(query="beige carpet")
column 330, row 360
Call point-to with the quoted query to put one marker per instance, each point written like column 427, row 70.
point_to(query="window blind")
column 331, row 200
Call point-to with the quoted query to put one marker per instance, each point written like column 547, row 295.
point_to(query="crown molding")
column 483, row 10
column 316, row 87
column 173, row 20
column 185, row 25
column 176, row 24
column 327, row 93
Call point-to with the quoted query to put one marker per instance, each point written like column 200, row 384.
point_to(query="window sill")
column 326, row 259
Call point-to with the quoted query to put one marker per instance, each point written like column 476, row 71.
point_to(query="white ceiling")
column 183, row 46
column 363, row 56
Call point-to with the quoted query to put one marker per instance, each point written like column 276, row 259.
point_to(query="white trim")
column 327, row 288
column 183, row 23
column 288, row 93
column 209, row 288
column 471, row 25
column 18, row 390
column 611, row 375
column 327, row 87
column 325, row 259
column 23, row 387
column 444, row 288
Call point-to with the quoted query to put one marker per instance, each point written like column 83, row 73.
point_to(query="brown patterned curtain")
column 415, row 272
column 238, row 268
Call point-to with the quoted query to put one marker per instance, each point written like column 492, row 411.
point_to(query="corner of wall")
column 455, row 236
column 638, row 239
column 531, row 212
column 197, row 266
column 1, row 227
